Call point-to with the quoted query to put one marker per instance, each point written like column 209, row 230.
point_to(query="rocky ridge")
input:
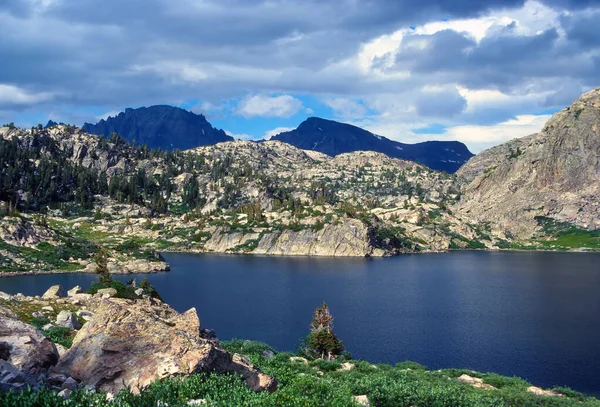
column 265, row 198
column 537, row 192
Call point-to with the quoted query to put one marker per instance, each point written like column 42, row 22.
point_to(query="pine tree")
column 322, row 342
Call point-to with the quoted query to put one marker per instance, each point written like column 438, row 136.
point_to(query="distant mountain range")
column 171, row 128
column 161, row 126
column 333, row 138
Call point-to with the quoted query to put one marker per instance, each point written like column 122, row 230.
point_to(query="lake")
column 534, row 315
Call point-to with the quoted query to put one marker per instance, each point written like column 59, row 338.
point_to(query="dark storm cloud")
column 583, row 29
column 115, row 53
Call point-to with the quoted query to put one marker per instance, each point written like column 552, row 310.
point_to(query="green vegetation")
column 316, row 384
column 322, row 343
column 60, row 335
column 566, row 235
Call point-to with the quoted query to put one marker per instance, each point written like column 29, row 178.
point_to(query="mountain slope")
column 333, row 138
column 161, row 126
column 550, row 177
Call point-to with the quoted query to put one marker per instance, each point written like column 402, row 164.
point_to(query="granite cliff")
column 549, row 177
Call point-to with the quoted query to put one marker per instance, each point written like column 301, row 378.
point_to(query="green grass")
column 317, row 384
column 566, row 235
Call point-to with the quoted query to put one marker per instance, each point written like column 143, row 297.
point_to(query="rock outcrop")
column 25, row 354
column 350, row 238
column 131, row 344
column 551, row 174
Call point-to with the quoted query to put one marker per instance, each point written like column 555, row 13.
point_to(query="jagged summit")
column 161, row 126
column 333, row 138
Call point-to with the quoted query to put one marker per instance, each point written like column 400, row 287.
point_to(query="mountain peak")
column 332, row 138
column 163, row 126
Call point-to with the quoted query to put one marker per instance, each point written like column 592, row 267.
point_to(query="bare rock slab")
column 56, row 291
column 131, row 344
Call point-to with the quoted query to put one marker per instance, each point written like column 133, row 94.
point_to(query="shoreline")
column 308, row 256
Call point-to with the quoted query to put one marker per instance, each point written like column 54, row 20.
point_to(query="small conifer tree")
column 322, row 342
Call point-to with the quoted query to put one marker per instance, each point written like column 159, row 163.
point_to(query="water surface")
column 534, row 315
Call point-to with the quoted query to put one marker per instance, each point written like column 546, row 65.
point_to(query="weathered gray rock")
column 134, row 343
column 74, row 291
column 25, row 354
column 56, row 291
column 107, row 292
column 85, row 314
column 268, row 354
column 67, row 319
column 14, row 379
column 362, row 400
column 29, row 351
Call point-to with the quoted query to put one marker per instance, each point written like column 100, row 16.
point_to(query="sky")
column 481, row 72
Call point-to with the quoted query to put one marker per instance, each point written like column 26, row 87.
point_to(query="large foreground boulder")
column 25, row 354
column 131, row 344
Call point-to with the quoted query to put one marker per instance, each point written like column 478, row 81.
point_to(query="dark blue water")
column 534, row 315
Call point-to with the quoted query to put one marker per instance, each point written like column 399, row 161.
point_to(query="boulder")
column 131, row 344
column 38, row 314
column 475, row 382
column 107, row 292
column 13, row 379
column 268, row 354
column 541, row 392
column 56, row 291
column 346, row 366
column 25, row 354
column 67, row 319
column 139, row 292
column 85, row 314
column 197, row 402
column 29, row 350
column 362, row 400
column 75, row 290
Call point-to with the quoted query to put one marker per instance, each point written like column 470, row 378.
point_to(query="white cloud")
column 481, row 137
column 15, row 95
column 346, row 108
column 276, row 131
column 175, row 71
column 267, row 106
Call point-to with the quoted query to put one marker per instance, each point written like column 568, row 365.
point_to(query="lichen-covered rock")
column 130, row 344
